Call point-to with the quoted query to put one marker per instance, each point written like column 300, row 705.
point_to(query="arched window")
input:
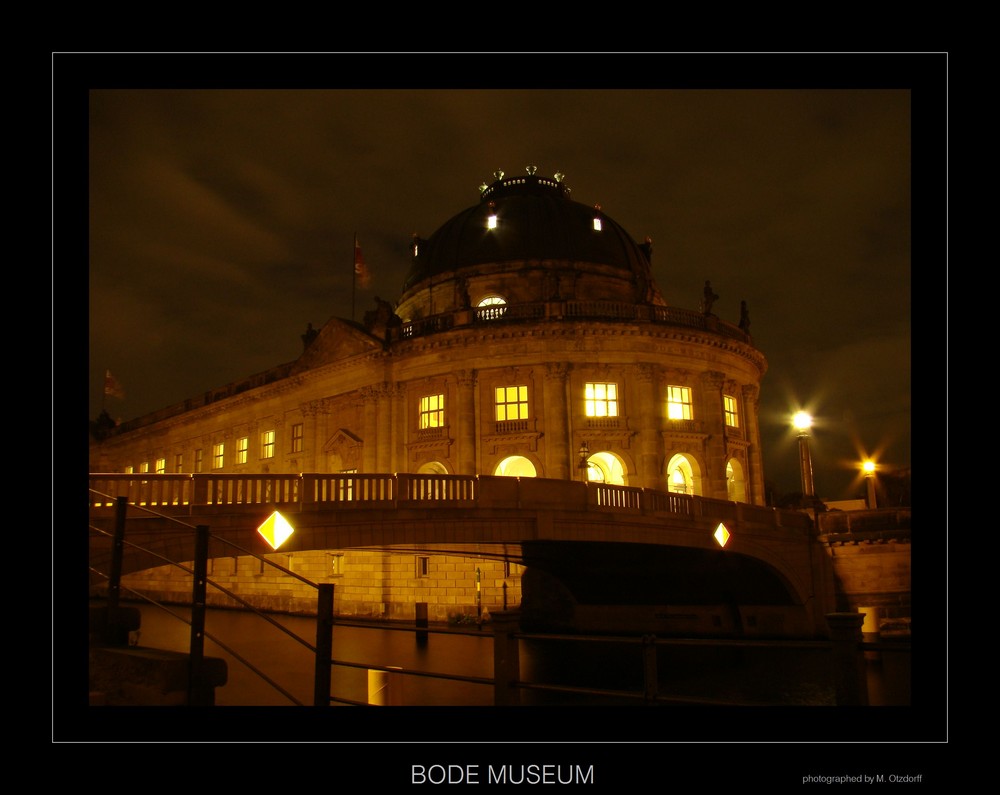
column 432, row 468
column 491, row 307
column 515, row 466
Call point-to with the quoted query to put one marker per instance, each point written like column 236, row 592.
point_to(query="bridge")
column 603, row 543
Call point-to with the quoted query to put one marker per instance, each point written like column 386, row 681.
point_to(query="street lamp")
column 803, row 422
column 869, row 469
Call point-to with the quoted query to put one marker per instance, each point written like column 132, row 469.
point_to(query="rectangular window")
column 197, row 460
column 432, row 411
column 161, row 466
column 218, row 455
column 337, row 563
column 297, row 438
column 423, row 566
column 732, row 418
column 144, row 467
column 179, row 462
column 512, row 403
column 267, row 444
column 678, row 403
column 128, row 469
column 601, row 400
column 242, row 446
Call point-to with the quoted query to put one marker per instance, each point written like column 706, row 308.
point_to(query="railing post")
column 506, row 659
column 198, row 694
column 649, row 669
column 420, row 621
column 324, row 645
column 850, row 679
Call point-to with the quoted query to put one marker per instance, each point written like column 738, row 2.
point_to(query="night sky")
column 222, row 214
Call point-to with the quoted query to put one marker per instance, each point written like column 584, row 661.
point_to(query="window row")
column 241, row 452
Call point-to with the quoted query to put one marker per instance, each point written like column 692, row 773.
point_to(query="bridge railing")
column 354, row 490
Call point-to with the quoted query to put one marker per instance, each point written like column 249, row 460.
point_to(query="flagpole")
column 354, row 273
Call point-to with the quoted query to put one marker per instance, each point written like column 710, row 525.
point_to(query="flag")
column 112, row 387
column 361, row 274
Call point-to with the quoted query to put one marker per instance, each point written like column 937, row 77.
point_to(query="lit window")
column 491, row 222
column 179, row 462
column 432, row 411
column 161, row 466
column 242, row 446
column 597, row 224
column 337, row 563
column 218, row 455
column 601, row 400
column 729, row 404
column 493, row 300
column 267, row 444
column 512, row 403
column 197, row 460
column 297, row 438
column 128, row 469
column 678, row 403
column 144, row 467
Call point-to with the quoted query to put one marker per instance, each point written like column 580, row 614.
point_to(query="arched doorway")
column 432, row 468
column 683, row 475
column 515, row 466
column 605, row 467
column 736, row 484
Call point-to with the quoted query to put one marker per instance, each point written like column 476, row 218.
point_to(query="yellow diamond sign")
column 721, row 534
column 275, row 530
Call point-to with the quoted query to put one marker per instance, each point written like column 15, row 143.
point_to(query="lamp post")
column 584, row 453
column 869, row 469
column 803, row 422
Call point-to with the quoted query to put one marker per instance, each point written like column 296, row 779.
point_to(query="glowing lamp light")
column 802, row 421
column 721, row 535
column 597, row 224
column 491, row 222
column 868, row 467
column 275, row 530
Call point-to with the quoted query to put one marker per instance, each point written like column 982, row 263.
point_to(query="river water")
column 756, row 675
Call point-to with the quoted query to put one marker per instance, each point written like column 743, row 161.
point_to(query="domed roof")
column 535, row 220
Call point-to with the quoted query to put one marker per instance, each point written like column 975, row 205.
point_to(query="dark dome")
column 536, row 220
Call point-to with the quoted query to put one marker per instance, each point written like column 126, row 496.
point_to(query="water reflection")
column 739, row 675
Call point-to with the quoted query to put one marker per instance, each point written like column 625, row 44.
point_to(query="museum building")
column 529, row 340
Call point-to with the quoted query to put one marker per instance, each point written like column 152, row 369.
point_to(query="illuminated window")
column 128, row 469
column 242, row 446
column 597, row 224
column 678, row 403
column 729, row 404
column 493, row 300
column 601, row 400
column 267, row 444
column 161, row 466
column 144, row 467
column 491, row 222
column 179, row 462
column 432, row 411
column 297, row 438
column 197, row 460
column 512, row 403
column 337, row 563
column 218, row 455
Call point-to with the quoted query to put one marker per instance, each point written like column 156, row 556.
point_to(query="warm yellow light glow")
column 868, row 467
column 802, row 421
column 721, row 534
column 597, row 224
column 275, row 530
column 491, row 222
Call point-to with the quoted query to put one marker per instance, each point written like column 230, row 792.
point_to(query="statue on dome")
column 744, row 318
column 710, row 298
column 309, row 336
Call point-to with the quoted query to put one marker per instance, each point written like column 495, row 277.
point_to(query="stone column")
column 383, row 432
column 650, row 411
column 712, row 417
column 397, row 434
column 755, row 466
column 369, row 408
column 558, row 455
column 312, row 448
column 466, row 457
